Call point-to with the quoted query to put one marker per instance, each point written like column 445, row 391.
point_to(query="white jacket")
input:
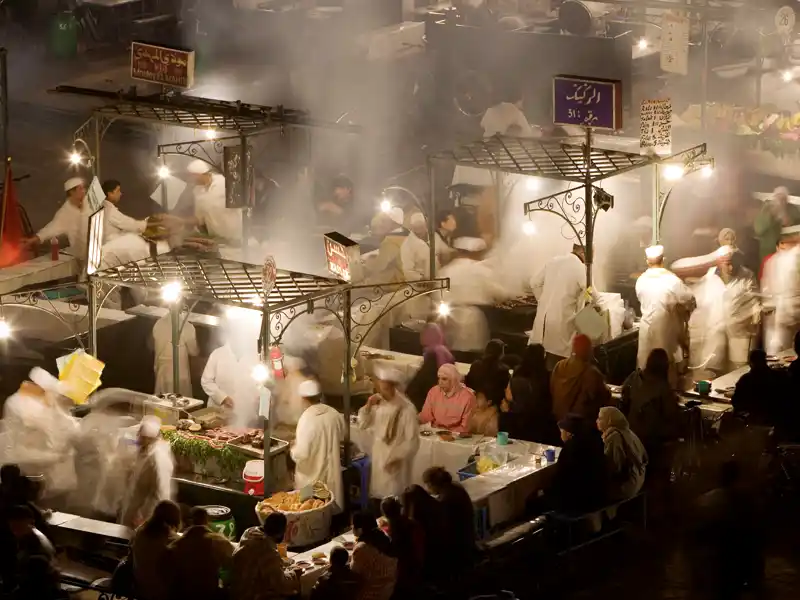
column 116, row 222
column 162, row 346
column 781, row 289
column 71, row 221
column 400, row 415
column 499, row 118
column 226, row 375
column 209, row 209
column 666, row 303
column 317, row 450
column 415, row 256
column 560, row 290
column 150, row 483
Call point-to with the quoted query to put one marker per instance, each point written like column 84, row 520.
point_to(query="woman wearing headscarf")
column 485, row 417
column 434, row 355
column 484, row 371
column 577, row 385
column 527, row 410
column 625, row 454
column 450, row 403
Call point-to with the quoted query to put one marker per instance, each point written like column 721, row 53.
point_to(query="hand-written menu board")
column 655, row 132
column 675, row 44
column 237, row 192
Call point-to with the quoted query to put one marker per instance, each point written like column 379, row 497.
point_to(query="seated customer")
column 761, row 392
column 458, row 516
column 527, row 412
column 626, row 458
column 484, row 419
column 30, row 572
column 579, row 481
column 450, row 403
column 338, row 583
column 150, row 549
column 577, row 385
column 434, row 355
column 408, row 541
column 257, row 572
column 197, row 558
column 373, row 559
column 485, row 370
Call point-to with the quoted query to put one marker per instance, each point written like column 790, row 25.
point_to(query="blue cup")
column 502, row 438
column 550, row 455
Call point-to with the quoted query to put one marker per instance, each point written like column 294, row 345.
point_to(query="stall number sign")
column 655, row 133
column 675, row 44
column 784, row 19
column 595, row 103
column 337, row 259
column 162, row 65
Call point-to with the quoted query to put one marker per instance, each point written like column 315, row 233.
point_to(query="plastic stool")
column 360, row 497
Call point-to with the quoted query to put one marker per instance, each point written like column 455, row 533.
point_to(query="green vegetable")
column 229, row 460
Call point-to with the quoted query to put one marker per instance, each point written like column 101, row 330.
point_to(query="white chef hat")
column 150, row 426
column 469, row 244
column 791, row 230
column 654, row 252
column 45, row 380
column 396, row 214
column 72, row 183
column 198, row 167
column 309, row 388
column 417, row 219
column 389, row 374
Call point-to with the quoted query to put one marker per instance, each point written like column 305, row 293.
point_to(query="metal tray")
column 277, row 446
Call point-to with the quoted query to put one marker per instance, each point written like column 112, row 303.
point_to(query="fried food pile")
column 290, row 501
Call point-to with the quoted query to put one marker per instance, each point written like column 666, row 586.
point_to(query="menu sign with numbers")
column 587, row 102
column 675, row 44
column 655, row 132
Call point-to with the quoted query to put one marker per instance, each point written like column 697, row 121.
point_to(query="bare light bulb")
column 211, row 134
column 386, row 206
column 444, row 309
column 642, row 44
column 673, row 172
column 260, row 373
column 5, row 330
column 787, row 76
column 163, row 172
column 707, row 171
column 171, row 292
column 528, row 228
column 75, row 159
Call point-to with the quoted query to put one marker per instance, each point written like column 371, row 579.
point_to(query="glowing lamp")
column 386, row 206
column 5, row 330
column 163, row 172
column 444, row 309
column 260, row 373
column 528, row 228
column 211, row 134
column 642, row 44
column 707, row 170
column 787, row 76
column 531, row 184
column 75, row 159
column 171, row 292
column 673, row 172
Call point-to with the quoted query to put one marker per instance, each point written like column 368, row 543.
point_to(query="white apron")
column 781, row 287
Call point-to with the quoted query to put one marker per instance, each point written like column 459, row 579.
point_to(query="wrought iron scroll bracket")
column 570, row 205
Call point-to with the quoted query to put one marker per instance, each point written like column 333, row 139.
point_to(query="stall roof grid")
column 220, row 281
column 551, row 159
column 199, row 113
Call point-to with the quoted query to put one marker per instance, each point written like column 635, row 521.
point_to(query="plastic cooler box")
column 253, row 476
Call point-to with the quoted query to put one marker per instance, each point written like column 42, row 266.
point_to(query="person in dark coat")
column 339, row 582
column 458, row 517
column 486, row 371
column 762, row 392
column 580, row 480
column 527, row 412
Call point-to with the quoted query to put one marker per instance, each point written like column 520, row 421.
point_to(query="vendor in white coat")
column 116, row 222
column 151, row 479
column 507, row 118
column 666, row 306
column 392, row 420
column 722, row 329
column 162, row 347
column 228, row 382
column 472, row 284
column 209, row 203
column 780, row 285
column 415, row 253
column 317, row 447
column 71, row 220
column 560, row 290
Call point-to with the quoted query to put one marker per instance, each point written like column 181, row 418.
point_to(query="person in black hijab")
column 527, row 412
column 487, row 371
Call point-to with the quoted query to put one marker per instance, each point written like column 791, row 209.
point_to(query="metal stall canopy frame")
column 562, row 160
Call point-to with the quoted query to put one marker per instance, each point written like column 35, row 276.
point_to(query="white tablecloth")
column 37, row 271
column 408, row 364
column 310, row 577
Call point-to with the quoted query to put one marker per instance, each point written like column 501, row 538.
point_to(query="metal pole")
column 704, row 79
column 164, row 203
column 263, row 351
column 432, row 224
column 588, row 206
column 4, row 105
column 97, row 138
column 175, row 317
column 92, row 317
column 656, row 204
column 347, row 357
column 244, row 167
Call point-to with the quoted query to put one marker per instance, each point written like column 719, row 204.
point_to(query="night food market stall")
column 510, row 163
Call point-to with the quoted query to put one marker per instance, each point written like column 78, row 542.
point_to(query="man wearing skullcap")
column 776, row 213
column 151, row 479
column 415, row 251
column 392, row 420
column 316, row 449
column 71, row 220
column 560, row 290
column 666, row 304
column 577, row 385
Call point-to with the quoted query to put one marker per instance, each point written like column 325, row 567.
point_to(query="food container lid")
column 253, row 470
column 217, row 512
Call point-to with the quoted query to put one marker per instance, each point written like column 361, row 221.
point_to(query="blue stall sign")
column 587, row 102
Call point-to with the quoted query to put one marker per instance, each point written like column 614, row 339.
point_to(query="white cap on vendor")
column 654, row 252
column 150, row 427
column 72, row 183
column 397, row 215
column 417, row 219
column 309, row 389
column 469, row 244
column 790, row 231
column 389, row 374
column 725, row 251
column 198, row 167
column 45, row 380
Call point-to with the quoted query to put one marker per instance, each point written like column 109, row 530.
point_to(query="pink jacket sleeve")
column 426, row 414
column 463, row 427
